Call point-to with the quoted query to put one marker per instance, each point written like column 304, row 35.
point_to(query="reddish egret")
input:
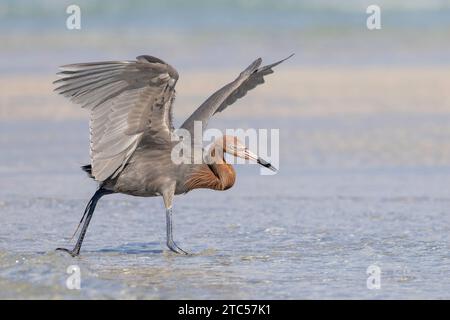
column 130, row 104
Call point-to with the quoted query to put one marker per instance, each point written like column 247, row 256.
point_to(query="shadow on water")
column 134, row 248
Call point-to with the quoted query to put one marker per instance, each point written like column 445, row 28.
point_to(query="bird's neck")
column 225, row 175
column 223, row 171
column 218, row 175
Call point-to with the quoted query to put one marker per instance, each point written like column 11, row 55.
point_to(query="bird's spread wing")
column 128, row 100
column 247, row 80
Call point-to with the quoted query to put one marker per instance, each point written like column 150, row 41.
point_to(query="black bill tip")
column 266, row 164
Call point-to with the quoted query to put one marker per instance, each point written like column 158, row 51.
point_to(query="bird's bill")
column 247, row 154
column 266, row 164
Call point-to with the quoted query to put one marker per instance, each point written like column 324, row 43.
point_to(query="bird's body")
column 131, row 131
column 150, row 171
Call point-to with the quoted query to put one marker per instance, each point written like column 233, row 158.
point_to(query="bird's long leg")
column 89, row 211
column 170, row 243
column 168, row 197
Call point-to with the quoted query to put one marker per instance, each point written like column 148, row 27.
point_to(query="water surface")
column 308, row 232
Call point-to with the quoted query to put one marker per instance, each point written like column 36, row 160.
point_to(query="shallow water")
column 364, row 155
column 310, row 231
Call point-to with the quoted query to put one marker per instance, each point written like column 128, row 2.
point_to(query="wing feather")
column 125, row 99
column 249, row 79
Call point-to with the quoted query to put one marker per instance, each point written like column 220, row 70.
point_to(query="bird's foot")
column 73, row 252
column 175, row 248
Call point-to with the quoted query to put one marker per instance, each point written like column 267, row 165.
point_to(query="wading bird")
column 130, row 104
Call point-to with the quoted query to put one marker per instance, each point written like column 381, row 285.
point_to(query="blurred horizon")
column 202, row 34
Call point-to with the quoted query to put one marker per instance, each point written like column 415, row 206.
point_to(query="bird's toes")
column 71, row 252
column 175, row 248
column 181, row 251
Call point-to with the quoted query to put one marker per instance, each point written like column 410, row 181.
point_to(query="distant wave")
column 45, row 8
column 203, row 32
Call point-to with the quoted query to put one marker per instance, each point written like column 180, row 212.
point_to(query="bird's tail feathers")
column 88, row 169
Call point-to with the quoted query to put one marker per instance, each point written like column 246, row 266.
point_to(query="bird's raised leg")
column 88, row 212
column 170, row 243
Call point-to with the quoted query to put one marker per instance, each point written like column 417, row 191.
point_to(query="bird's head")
column 233, row 146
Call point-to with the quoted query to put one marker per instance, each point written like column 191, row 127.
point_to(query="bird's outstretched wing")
column 128, row 100
column 247, row 80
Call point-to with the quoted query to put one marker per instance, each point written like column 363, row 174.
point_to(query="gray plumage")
column 130, row 104
column 127, row 100
column 251, row 77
